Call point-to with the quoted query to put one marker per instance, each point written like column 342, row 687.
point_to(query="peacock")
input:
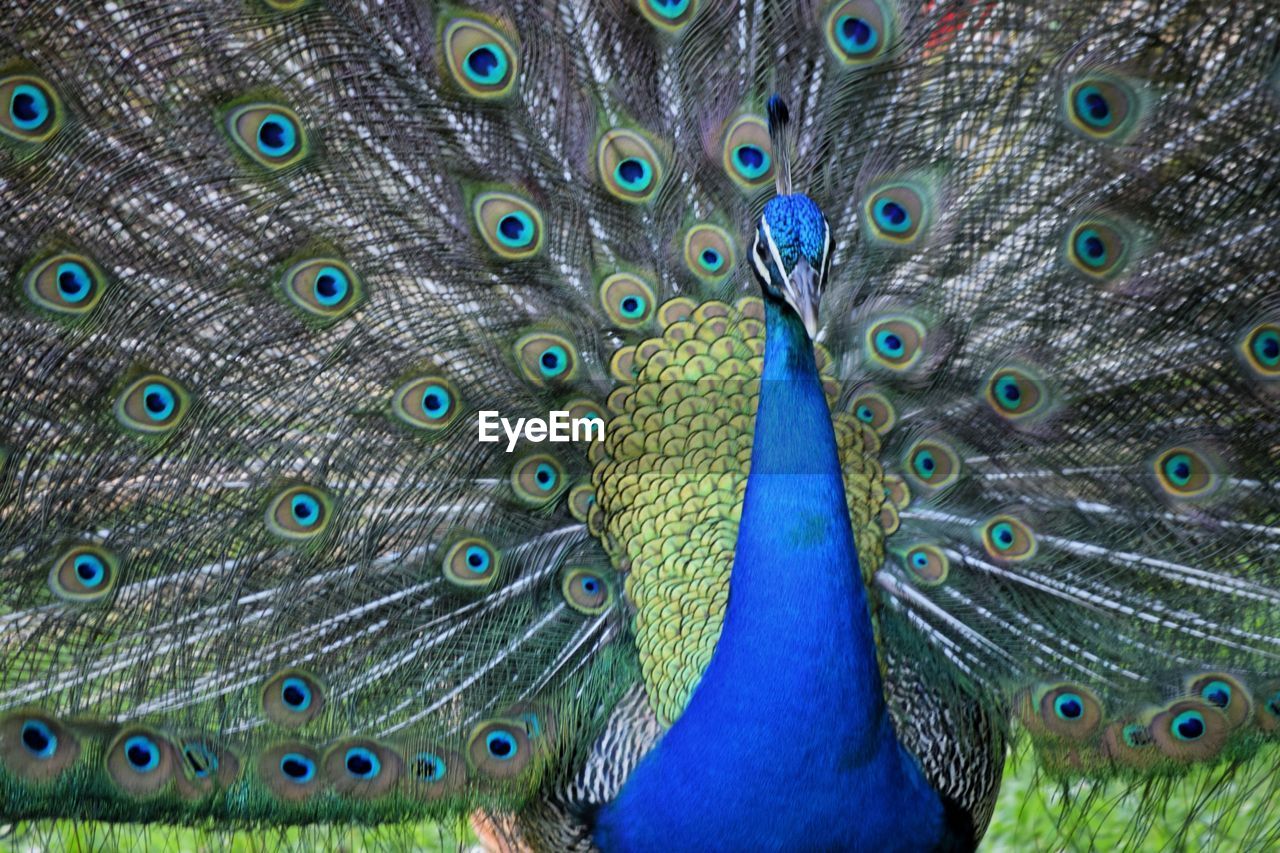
column 928, row 354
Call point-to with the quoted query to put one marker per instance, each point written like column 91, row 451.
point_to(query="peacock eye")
column 1103, row 108
column 271, row 134
column 629, row 165
column 480, row 58
column 860, row 32
column 29, row 109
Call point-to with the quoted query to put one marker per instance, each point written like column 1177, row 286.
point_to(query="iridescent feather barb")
column 268, row 260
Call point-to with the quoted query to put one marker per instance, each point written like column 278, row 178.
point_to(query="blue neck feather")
column 786, row 743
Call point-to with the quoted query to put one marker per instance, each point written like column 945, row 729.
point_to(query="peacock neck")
column 797, row 613
column 786, row 739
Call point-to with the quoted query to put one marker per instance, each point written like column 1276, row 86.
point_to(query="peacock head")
column 792, row 255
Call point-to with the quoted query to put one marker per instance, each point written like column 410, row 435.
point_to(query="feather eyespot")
column 140, row 761
column 586, row 591
column 292, row 698
column 629, row 165
column 428, row 403
column 874, row 410
column 31, row 110
column 669, row 15
column 1097, row 248
column 361, row 768
column 896, row 214
column 1184, row 472
column 299, row 513
column 1015, row 393
column 84, row 573
column 35, row 746
column 708, row 252
column 1190, row 730
column 270, row 134
column 628, row 300
column 1103, row 108
column 480, row 58
column 895, row 342
column 1007, row 538
column 290, row 770
column 860, row 32
column 933, row 464
column 927, row 565
column 324, row 289
column 746, row 152
column 1260, row 347
column 65, row 284
column 509, row 225
column 545, row 358
column 1067, row 710
column 152, row 405
column 500, row 748
column 536, row 480
column 471, row 563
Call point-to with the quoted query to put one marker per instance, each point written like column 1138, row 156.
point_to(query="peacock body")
column 1014, row 481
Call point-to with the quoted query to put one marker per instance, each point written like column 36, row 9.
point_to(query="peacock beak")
column 803, row 292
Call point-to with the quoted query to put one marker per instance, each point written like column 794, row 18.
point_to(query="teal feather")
column 270, row 260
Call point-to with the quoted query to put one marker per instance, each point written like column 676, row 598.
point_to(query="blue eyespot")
column 920, row 560
column 428, row 767
column 202, row 761
column 1217, row 693
column 1266, row 347
column 1189, row 725
column 39, row 739
column 90, row 570
column 865, row 414
column 362, row 763
column 925, row 464
column 1002, row 535
column 486, row 64
column 28, row 107
column 1178, row 469
column 1068, row 706
column 1008, row 393
column 889, row 344
column 436, row 401
column 545, row 476
column 501, row 745
column 711, row 260
column 478, row 559
column 276, row 136
column 553, row 361
column 142, row 753
column 633, row 174
column 891, row 216
column 305, row 509
column 74, row 282
column 752, row 161
column 158, row 401
column 1090, row 248
column 1092, row 106
column 669, row 9
column 296, row 694
column 515, row 230
column 297, row 768
column 856, row 36
column 633, row 307
column 331, row 286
